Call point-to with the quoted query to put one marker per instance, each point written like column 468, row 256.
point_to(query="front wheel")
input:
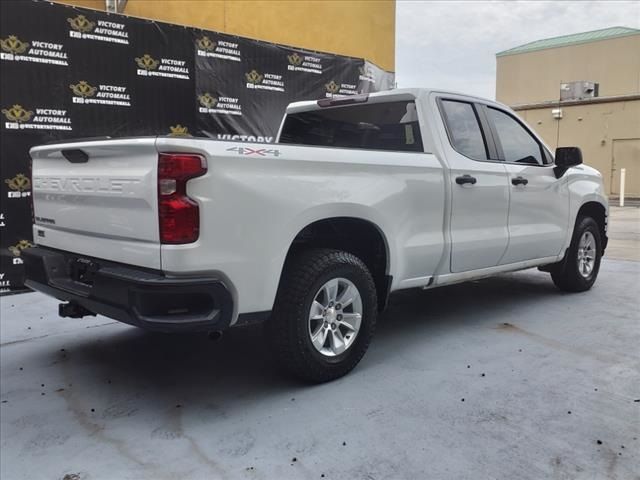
column 579, row 270
column 324, row 316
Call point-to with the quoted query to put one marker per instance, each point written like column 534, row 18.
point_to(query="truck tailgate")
column 98, row 198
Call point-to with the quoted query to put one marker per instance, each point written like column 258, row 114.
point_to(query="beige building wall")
column 607, row 129
column 358, row 28
column 603, row 131
column 536, row 76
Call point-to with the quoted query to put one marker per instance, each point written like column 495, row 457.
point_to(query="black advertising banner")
column 98, row 84
column 162, row 66
column 68, row 72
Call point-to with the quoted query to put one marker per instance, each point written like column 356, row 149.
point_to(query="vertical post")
column 623, row 174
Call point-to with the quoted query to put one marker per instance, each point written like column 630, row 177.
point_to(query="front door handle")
column 519, row 181
column 466, row 179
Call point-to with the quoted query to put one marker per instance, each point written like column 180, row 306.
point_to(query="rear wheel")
column 579, row 270
column 324, row 316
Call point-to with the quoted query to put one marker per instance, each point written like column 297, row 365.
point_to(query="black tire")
column 566, row 276
column 288, row 327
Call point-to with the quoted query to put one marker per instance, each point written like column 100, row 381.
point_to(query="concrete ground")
column 503, row 378
column 624, row 233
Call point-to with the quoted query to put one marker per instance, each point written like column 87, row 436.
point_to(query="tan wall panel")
column 208, row 14
column 536, row 76
column 362, row 28
column 359, row 28
column 626, row 154
column 95, row 4
column 593, row 128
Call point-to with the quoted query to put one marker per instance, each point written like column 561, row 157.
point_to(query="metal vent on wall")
column 578, row 90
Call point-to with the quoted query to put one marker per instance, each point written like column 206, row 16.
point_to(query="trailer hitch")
column 74, row 310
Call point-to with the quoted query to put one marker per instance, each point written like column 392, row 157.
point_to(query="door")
column 539, row 202
column 479, row 186
column 626, row 154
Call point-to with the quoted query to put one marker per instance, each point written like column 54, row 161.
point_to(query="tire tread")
column 285, row 328
column 566, row 276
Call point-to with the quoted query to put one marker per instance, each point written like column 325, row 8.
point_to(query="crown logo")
column 254, row 77
column 147, row 62
column 19, row 183
column 17, row 249
column 206, row 44
column 179, row 131
column 17, row 114
column 81, row 24
column 294, row 59
column 206, row 100
column 83, row 89
column 332, row 87
column 12, row 44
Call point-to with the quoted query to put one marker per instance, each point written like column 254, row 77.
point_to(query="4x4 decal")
column 261, row 152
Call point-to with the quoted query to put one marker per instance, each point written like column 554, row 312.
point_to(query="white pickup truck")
column 360, row 197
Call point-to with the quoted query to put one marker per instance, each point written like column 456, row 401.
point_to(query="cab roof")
column 376, row 97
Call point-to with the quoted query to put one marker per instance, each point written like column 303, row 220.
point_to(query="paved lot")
column 501, row 378
column 624, row 233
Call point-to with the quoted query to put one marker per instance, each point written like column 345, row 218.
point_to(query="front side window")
column 517, row 143
column 464, row 130
column 375, row 126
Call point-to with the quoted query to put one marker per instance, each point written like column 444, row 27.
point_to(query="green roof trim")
column 573, row 39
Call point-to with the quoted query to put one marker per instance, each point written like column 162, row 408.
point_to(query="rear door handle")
column 519, row 181
column 466, row 179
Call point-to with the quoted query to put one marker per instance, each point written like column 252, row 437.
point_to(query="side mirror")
column 566, row 157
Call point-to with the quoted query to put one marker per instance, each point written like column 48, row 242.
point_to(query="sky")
column 452, row 44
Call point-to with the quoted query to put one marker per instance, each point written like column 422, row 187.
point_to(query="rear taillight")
column 178, row 214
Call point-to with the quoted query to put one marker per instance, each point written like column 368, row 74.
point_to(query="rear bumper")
column 137, row 296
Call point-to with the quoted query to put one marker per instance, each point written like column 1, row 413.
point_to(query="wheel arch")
column 361, row 237
column 598, row 212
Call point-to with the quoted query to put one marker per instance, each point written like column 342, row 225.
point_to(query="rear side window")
column 376, row 126
column 463, row 127
column 518, row 145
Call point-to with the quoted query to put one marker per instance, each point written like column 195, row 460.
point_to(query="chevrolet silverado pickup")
column 359, row 197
